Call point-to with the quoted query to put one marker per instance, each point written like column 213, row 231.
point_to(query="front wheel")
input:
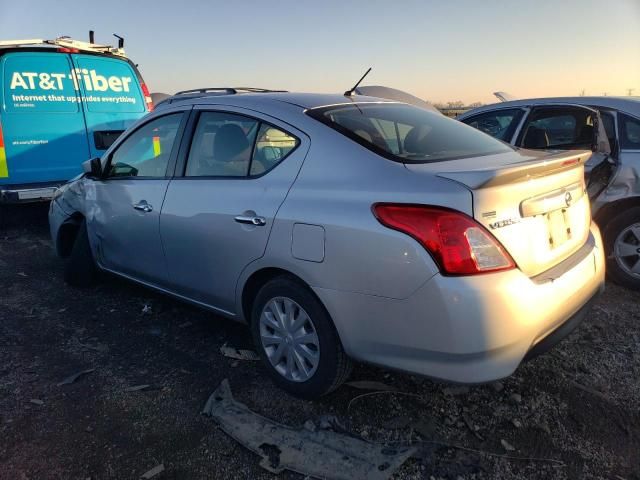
column 80, row 268
column 296, row 339
column 622, row 245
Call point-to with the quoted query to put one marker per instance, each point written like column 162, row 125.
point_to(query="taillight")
column 147, row 97
column 458, row 244
column 68, row 50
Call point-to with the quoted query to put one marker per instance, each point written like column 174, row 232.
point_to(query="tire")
column 619, row 237
column 80, row 268
column 332, row 365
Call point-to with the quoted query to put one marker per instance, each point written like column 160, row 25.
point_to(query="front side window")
column 231, row 145
column 405, row 133
column 146, row 152
column 565, row 128
column 500, row 124
column 629, row 132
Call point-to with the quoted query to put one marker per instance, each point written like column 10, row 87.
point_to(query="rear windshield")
column 407, row 134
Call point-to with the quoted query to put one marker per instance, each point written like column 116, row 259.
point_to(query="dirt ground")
column 572, row 413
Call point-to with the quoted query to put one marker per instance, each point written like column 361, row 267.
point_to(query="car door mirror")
column 92, row 167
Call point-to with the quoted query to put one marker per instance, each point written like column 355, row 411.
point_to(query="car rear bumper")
column 470, row 329
column 37, row 192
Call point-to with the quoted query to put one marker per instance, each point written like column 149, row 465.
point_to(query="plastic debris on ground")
column 239, row 354
column 308, row 451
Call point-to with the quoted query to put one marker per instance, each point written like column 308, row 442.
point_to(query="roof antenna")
column 348, row 93
column 120, row 40
column 91, row 36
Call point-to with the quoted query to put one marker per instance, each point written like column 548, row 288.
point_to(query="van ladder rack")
column 65, row 42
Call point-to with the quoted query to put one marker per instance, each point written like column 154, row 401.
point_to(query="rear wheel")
column 622, row 244
column 80, row 268
column 296, row 339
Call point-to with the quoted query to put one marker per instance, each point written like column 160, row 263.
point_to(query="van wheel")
column 80, row 268
column 622, row 245
column 296, row 339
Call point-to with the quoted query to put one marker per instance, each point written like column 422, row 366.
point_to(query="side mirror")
column 92, row 167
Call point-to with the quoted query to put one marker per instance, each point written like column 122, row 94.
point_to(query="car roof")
column 629, row 105
column 302, row 100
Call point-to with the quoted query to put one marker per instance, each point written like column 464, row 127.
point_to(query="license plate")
column 36, row 193
column 559, row 231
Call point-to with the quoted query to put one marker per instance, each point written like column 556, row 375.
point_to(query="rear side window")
column 407, row 134
column 231, row 145
column 629, row 132
column 38, row 83
column 500, row 124
column 108, row 85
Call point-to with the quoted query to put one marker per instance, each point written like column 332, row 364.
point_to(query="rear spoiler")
column 519, row 172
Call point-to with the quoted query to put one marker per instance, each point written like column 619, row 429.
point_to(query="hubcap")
column 627, row 250
column 289, row 339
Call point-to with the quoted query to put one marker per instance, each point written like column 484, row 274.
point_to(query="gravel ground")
column 572, row 413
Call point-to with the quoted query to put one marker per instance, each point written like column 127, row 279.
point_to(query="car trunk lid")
column 534, row 203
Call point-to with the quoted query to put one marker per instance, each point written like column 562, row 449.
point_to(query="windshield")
column 407, row 134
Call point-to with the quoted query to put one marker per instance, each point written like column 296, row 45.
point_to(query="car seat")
column 536, row 138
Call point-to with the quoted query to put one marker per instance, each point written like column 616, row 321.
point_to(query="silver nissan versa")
column 342, row 228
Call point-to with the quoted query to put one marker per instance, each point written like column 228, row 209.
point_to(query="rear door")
column 42, row 122
column 220, row 207
column 112, row 95
column 123, row 211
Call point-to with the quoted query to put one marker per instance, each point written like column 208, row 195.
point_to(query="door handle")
column 143, row 206
column 251, row 220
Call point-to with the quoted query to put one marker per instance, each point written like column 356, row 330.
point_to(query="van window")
column 146, row 152
column 38, row 83
column 109, row 85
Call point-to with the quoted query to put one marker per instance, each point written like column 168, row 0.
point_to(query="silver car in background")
column 610, row 126
column 339, row 228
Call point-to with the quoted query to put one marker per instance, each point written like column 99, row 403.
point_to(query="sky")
column 440, row 51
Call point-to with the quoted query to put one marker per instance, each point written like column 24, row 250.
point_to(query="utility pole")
column 630, row 91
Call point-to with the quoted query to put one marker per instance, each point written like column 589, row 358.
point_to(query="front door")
column 124, row 211
column 217, row 216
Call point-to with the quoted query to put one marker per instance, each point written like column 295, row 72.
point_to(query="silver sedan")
column 341, row 228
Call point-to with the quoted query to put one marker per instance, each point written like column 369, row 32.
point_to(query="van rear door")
column 113, row 98
column 42, row 122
